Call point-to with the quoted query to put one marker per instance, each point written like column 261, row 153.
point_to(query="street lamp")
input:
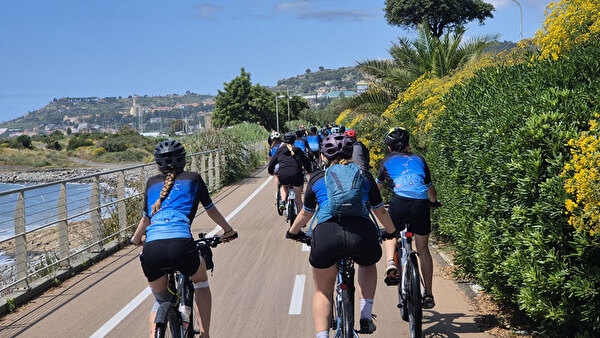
column 521, row 15
column 277, row 109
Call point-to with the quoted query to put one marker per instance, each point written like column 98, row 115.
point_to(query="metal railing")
column 60, row 224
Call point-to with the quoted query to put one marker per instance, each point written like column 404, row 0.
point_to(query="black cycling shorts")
column 357, row 238
column 412, row 210
column 295, row 180
column 178, row 253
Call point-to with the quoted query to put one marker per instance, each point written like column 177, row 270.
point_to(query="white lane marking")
column 116, row 319
column 305, row 247
column 297, row 295
column 240, row 207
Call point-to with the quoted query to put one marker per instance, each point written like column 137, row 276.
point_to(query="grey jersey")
column 360, row 156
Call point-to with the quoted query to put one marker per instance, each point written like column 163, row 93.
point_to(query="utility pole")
column 288, row 99
column 520, row 15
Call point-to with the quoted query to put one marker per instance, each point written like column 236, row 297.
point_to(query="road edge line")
column 297, row 295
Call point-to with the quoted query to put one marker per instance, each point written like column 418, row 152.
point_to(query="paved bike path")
column 253, row 287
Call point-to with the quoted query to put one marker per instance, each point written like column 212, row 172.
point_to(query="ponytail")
column 289, row 146
column 168, row 184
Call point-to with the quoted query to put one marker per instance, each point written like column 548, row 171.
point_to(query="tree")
column 321, row 68
column 25, row 141
column 439, row 14
column 308, row 70
column 176, row 125
column 231, row 104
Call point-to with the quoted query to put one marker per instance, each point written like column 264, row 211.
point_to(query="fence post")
column 211, row 172
column 217, row 169
column 195, row 163
column 121, row 205
column 21, row 242
column 203, row 168
column 63, row 226
column 95, row 215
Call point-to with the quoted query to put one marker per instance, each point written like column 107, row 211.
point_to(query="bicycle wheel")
column 194, row 325
column 292, row 211
column 279, row 211
column 347, row 314
column 170, row 328
column 414, row 302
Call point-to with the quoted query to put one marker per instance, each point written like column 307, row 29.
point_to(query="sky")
column 75, row 48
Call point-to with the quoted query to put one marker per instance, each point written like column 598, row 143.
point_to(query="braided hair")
column 167, row 186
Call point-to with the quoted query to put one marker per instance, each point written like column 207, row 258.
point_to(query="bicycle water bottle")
column 185, row 313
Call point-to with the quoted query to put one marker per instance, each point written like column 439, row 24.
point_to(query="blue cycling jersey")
column 407, row 175
column 178, row 209
column 301, row 143
column 274, row 149
column 314, row 142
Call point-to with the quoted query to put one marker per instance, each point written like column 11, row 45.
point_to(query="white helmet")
column 335, row 130
column 275, row 135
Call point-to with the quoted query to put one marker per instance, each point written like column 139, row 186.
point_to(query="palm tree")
column 410, row 60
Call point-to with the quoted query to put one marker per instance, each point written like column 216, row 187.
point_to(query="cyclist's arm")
column 306, row 162
column 301, row 220
column 382, row 175
column 140, row 230
column 379, row 210
column 218, row 218
column 384, row 217
column 432, row 194
column 272, row 162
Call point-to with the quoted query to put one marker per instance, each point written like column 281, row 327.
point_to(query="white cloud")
column 289, row 6
column 498, row 3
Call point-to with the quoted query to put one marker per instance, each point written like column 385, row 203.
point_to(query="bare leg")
column 203, row 300
column 158, row 286
column 426, row 261
column 390, row 248
column 298, row 192
column 324, row 284
column 284, row 192
column 367, row 281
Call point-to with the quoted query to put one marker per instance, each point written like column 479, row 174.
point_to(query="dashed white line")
column 116, row 319
column 297, row 295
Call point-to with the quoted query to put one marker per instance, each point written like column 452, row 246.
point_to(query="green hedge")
column 496, row 154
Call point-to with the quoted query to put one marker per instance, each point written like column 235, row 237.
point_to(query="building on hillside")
column 340, row 93
column 361, row 87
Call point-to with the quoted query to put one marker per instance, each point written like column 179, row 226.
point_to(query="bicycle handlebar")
column 213, row 241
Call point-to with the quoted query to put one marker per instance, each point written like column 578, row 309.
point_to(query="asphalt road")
column 261, row 287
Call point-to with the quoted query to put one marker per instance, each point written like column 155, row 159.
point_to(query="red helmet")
column 350, row 133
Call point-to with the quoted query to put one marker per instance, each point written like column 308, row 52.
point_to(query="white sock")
column 323, row 334
column 366, row 306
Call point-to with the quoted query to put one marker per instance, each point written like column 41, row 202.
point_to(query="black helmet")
column 313, row 129
column 342, row 129
column 169, row 155
column 397, row 138
column 289, row 137
column 299, row 133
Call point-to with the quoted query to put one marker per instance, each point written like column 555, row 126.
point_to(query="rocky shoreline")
column 45, row 175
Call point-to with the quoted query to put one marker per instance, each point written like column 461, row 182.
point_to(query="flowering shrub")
column 584, row 181
column 568, row 23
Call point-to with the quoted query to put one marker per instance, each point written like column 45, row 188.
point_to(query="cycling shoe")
column 367, row 326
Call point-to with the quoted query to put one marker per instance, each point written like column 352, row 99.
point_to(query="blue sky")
column 122, row 47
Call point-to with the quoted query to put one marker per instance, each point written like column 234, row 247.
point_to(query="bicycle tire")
column 414, row 301
column 292, row 211
column 347, row 313
column 279, row 211
column 194, row 324
column 171, row 326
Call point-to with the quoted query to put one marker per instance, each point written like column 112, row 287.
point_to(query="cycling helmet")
column 299, row 133
column 337, row 145
column 169, row 155
column 350, row 133
column 335, row 130
column 397, row 138
column 313, row 129
column 342, row 129
column 289, row 137
column 275, row 135
column 324, row 132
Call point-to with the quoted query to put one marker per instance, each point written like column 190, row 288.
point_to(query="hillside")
column 321, row 82
column 111, row 113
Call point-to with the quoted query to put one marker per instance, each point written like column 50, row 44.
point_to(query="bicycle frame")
column 344, row 290
column 409, row 263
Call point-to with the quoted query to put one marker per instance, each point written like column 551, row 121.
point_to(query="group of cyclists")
column 334, row 159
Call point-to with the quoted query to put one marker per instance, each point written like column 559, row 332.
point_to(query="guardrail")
column 61, row 224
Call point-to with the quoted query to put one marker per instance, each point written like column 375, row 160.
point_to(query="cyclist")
column 408, row 176
column 274, row 144
column 360, row 154
column 291, row 159
column 338, row 236
column 170, row 204
column 300, row 141
column 275, row 136
column 335, row 130
column 314, row 144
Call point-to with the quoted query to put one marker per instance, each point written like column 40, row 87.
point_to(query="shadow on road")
column 450, row 325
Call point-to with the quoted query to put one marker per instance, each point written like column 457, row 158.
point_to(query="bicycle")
column 176, row 317
column 409, row 289
column 290, row 210
column 278, row 200
column 342, row 312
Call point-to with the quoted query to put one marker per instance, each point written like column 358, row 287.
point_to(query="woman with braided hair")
column 172, row 197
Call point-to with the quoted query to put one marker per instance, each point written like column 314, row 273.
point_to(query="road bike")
column 410, row 293
column 176, row 318
column 342, row 312
column 290, row 209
